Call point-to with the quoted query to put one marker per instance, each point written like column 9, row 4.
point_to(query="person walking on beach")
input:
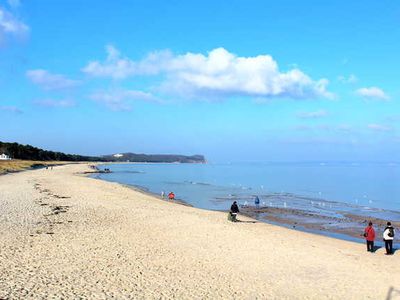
column 369, row 234
column 257, row 202
column 171, row 196
column 234, row 211
column 162, row 194
column 388, row 236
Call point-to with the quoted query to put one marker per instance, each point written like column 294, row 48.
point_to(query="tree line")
column 28, row 152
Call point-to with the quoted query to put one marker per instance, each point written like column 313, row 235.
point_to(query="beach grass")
column 15, row 165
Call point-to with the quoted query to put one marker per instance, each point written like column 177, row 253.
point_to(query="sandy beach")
column 67, row 236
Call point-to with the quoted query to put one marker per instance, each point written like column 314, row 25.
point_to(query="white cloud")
column 12, row 109
column 11, row 25
column 63, row 103
column 320, row 141
column 303, row 127
column 349, row 79
column 115, row 66
column 325, row 128
column 14, row 3
column 379, row 127
column 219, row 73
column 120, row 100
column 345, row 127
column 372, row 93
column 223, row 73
column 49, row 81
column 312, row 114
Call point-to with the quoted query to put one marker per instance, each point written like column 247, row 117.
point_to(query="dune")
column 64, row 235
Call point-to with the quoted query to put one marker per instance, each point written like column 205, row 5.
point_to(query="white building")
column 4, row 157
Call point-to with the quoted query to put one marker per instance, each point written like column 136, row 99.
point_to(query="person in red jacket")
column 369, row 234
column 171, row 196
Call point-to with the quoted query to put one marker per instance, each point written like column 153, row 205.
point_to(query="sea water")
column 370, row 189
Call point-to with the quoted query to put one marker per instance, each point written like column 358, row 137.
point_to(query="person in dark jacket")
column 234, row 211
column 388, row 236
column 369, row 234
column 257, row 202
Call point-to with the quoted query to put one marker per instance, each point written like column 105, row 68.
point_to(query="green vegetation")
column 28, row 152
column 15, row 165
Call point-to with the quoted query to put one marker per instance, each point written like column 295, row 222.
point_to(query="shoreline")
column 349, row 228
column 140, row 189
column 345, row 234
column 77, row 237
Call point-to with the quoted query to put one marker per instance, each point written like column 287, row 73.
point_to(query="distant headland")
column 154, row 158
column 28, row 152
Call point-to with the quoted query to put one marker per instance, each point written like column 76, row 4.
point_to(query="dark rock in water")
column 106, row 171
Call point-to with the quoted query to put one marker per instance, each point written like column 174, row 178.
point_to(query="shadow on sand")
column 240, row 221
column 394, row 250
column 376, row 248
column 393, row 294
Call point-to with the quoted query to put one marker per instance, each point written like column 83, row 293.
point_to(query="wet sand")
column 66, row 236
column 350, row 225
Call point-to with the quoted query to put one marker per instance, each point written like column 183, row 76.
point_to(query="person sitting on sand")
column 388, row 236
column 171, row 196
column 234, row 211
column 369, row 234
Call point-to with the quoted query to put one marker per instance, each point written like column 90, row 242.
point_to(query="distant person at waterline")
column 369, row 234
column 388, row 236
column 234, row 211
column 257, row 201
column 162, row 194
column 171, row 196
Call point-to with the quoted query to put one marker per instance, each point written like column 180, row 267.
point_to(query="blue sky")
column 233, row 80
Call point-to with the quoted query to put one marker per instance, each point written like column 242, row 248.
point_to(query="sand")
column 66, row 236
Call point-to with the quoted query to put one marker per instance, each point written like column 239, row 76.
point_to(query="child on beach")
column 369, row 234
column 171, row 196
column 388, row 236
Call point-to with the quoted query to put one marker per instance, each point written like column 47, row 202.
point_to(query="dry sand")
column 65, row 236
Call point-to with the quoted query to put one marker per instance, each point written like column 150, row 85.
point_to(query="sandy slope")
column 67, row 236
